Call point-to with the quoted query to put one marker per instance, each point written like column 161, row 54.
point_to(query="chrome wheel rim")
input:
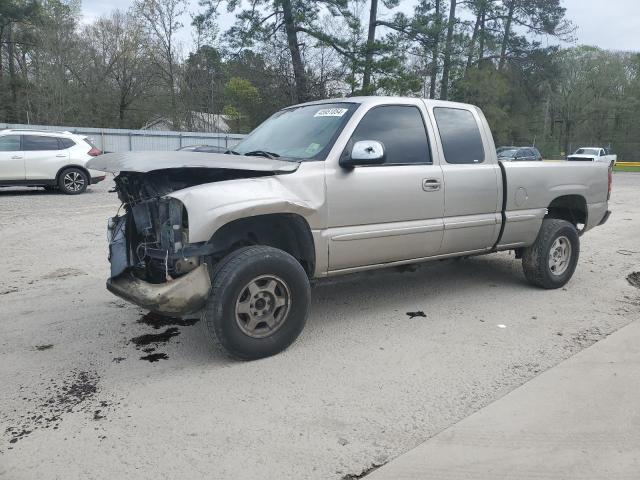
column 559, row 256
column 73, row 181
column 263, row 306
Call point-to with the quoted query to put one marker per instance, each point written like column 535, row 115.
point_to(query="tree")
column 446, row 66
column 161, row 18
column 13, row 12
column 120, row 42
column 542, row 17
column 267, row 18
column 242, row 98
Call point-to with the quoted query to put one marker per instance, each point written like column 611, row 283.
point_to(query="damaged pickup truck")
column 329, row 188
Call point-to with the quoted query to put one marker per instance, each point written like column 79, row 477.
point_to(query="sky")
column 609, row 24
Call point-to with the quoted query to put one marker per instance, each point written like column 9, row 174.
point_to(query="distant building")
column 196, row 122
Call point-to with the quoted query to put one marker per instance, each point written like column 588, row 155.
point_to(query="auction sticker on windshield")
column 331, row 112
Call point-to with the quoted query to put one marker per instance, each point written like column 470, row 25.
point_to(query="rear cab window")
column 460, row 135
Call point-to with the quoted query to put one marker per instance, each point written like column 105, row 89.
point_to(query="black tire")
column 230, row 284
column 536, row 258
column 73, row 181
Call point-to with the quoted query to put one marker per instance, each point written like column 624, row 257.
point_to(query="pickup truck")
column 329, row 188
column 593, row 154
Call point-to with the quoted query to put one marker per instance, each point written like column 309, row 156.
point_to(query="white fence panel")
column 123, row 140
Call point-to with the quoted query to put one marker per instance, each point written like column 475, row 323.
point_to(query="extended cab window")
column 401, row 131
column 460, row 135
column 10, row 143
column 35, row 142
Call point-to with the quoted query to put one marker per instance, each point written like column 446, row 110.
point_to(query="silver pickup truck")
column 329, row 188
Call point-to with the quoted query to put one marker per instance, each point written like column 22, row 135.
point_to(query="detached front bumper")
column 183, row 295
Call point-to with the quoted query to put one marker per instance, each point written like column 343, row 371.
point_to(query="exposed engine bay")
column 152, row 237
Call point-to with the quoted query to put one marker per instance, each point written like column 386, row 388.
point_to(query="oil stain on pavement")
column 634, row 279
column 74, row 393
column 150, row 341
column 158, row 321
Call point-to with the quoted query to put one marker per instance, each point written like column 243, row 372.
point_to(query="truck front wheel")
column 552, row 259
column 259, row 302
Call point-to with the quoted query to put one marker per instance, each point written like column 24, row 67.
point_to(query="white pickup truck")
column 593, row 154
column 329, row 188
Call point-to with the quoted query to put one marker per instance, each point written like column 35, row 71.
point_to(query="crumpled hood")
column 143, row 162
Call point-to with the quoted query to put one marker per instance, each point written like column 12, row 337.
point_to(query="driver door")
column 389, row 212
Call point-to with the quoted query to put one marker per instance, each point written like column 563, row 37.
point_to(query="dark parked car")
column 519, row 154
column 502, row 149
column 204, row 148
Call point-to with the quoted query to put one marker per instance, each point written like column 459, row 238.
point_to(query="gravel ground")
column 93, row 388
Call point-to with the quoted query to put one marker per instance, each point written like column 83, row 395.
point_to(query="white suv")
column 53, row 160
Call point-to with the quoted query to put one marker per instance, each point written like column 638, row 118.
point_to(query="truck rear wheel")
column 259, row 302
column 552, row 259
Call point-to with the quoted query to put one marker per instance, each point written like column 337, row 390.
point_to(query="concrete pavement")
column 578, row 420
column 363, row 384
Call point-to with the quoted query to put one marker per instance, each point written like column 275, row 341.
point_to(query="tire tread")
column 220, row 275
column 534, row 258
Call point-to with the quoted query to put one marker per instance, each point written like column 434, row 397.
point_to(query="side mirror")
column 364, row 152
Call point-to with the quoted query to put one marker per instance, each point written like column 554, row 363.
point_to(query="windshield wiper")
column 231, row 152
column 261, row 153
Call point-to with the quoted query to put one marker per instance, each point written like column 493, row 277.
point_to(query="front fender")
column 210, row 206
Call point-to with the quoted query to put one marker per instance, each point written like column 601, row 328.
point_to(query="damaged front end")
column 152, row 262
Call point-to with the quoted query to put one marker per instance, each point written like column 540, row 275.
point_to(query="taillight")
column 610, row 182
column 94, row 152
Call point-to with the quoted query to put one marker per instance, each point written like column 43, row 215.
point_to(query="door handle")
column 61, row 156
column 16, row 157
column 430, row 184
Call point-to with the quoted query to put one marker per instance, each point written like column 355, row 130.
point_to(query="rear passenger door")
column 472, row 181
column 44, row 156
column 11, row 158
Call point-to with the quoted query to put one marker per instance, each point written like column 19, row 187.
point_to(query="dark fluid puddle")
column 158, row 321
column 419, row 313
column 150, row 338
column 154, row 357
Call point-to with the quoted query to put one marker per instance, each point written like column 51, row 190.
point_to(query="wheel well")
column 79, row 167
column 572, row 208
column 287, row 232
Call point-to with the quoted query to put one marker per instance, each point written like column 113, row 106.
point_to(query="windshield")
column 508, row 153
column 299, row 133
column 587, row 151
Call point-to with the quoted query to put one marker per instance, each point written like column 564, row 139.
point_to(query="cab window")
column 460, row 135
column 400, row 129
